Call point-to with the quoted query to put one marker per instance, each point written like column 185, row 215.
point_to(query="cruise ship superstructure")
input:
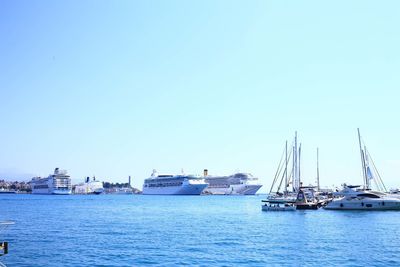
column 89, row 187
column 235, row 184
column 58, row 183
column 173, row 184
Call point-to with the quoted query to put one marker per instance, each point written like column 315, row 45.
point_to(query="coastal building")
column 14, row 187
column 121, row 188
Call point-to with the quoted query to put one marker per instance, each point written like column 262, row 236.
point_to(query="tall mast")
column 295, row 171
column 286, row 163
column 318, row 188
column 366, row 162
column 299, row 177
column 362, row 161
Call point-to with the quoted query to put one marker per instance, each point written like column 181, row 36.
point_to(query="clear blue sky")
column 118, row 88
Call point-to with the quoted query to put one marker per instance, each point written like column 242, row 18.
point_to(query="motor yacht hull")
column 364, row 204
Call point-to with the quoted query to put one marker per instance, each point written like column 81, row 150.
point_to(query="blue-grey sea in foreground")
column 137, row 230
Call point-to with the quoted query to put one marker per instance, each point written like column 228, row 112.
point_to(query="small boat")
column 277, row 205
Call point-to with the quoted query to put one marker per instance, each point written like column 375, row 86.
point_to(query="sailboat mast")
column 293, row 169
column 362, row 161
column 286, row 163
column 367, row 175
column 299, row 177
column 318, row 188
column 295, row 163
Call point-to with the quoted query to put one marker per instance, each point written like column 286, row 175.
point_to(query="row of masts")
column 294, row 177
column 313, row 197
column 298, row 196
column 296, row 168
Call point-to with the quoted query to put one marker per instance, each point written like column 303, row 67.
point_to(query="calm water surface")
column 136, row 230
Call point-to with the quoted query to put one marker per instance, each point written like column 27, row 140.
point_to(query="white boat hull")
column 240, row 189
column 185, row 189
column 49, row 191
column 364, row 204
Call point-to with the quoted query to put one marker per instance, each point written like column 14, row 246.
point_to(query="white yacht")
column 352, row 199
column 58, row 183
column 355, row 198
column 89, row 187
column 173, row 184
column 235, row 184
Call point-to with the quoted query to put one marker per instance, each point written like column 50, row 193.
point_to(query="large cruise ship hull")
column 234, row 190
column 62, row 192
column 51, row 192
column 185, row 189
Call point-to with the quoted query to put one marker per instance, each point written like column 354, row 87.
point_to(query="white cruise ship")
column 58, row 183
column 173, row 184
column 89, row 187
column 235, row 184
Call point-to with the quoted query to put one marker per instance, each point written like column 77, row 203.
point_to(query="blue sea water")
column 138, row 230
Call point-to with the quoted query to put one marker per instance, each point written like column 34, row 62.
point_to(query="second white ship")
column 235, row 184
column 89, row 187
column 173, row 184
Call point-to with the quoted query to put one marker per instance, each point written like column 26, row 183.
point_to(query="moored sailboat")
column 298, row 196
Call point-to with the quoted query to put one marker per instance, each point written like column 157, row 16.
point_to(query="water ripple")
column 139, row 230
